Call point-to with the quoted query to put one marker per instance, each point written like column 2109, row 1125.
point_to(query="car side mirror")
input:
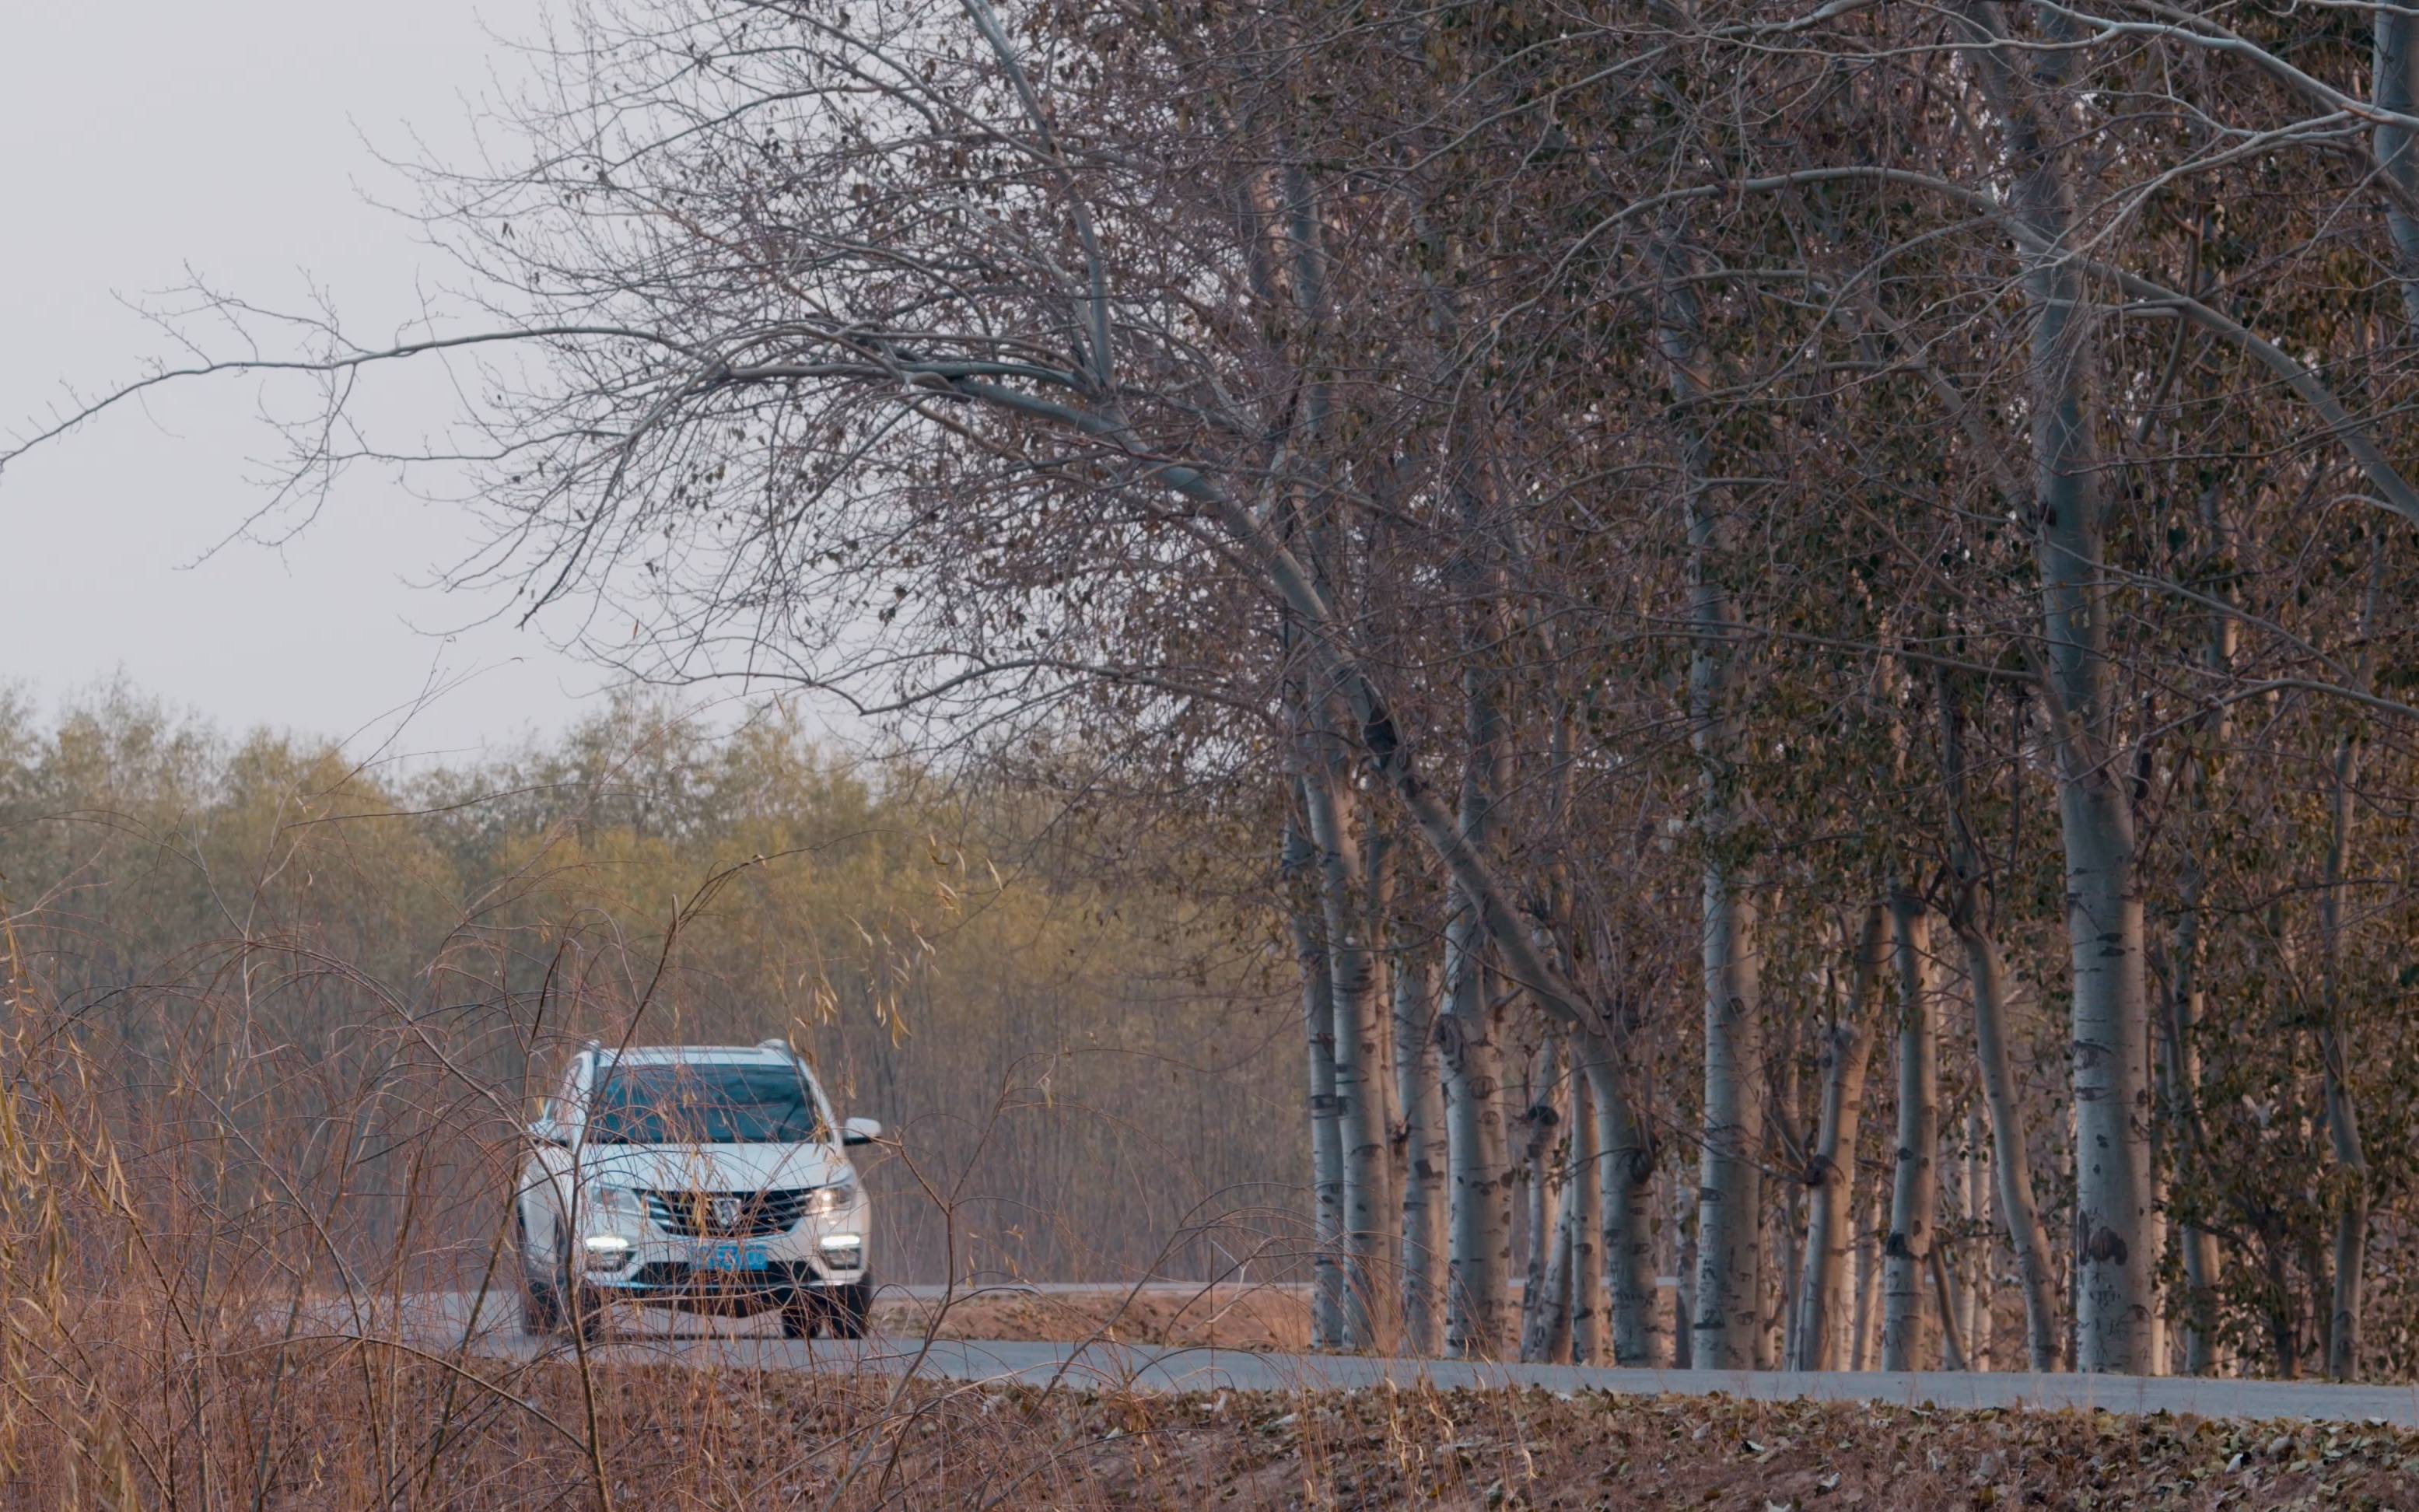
column 860, row 1132
column 548, row 1132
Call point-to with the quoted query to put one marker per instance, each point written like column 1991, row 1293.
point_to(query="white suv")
column 707, row 1178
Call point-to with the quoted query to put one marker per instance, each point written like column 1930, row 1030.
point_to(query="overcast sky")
column 238, row 140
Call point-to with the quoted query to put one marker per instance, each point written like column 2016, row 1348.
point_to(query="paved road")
column 438, row 1318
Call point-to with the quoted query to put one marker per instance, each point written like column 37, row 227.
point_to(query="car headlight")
column 613, row 1209
column 612, row 1219
column 832, row 1198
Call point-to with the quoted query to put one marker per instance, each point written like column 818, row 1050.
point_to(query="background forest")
column 279, row 956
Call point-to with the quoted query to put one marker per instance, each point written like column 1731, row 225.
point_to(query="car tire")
column 802, row 1316
column 541, row 1308
column 541, row 1303
column 845, row 1308
column 587, row 1311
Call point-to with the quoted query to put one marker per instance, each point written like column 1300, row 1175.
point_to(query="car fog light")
column 841, row 1241
column 607, row 1252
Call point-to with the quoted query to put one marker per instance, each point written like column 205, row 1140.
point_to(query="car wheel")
column 845, row 1308
column 541, row 1304
column 587, row 1311
column 802, row 1316
column 541, row 1308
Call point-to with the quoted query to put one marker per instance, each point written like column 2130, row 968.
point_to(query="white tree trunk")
column 1986, row 979
column 1326, row 1141
column 1552, row 1325
column 1364, row 1196
column 1480, row 1242
column 1627, row 1159
column 1541, row 1293
column 1730, row 1183
column 1954, row 1249
column 1728, row 1324
column 1585, row 1184
column 1827, row 1297
column 1915, row 1191
column 1982, row 1259
column 2394, row 88
column 1420, row 1092
column 1469, row 1046
column 2114, row 1291
column 2017, row 1210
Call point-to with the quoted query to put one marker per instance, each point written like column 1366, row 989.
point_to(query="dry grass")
column 1224, row 1317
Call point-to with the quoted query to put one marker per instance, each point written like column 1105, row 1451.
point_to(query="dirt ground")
column 560, row 1433
column 1227, row 1317
column 1531, row 1451
column 1488, row 1451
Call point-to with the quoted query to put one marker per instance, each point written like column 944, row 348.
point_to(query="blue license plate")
column 731, row 1258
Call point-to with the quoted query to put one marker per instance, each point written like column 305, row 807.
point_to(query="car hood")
column 713, row 1167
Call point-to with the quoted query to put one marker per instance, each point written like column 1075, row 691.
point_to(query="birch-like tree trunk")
column 1915, row 1189
column 1981, row 1273
column 1470, row 1049
column 1864, row 1355
column 2114, row 1290
column 1540, row 1123
column 1953, row 1246
column 1826, row 1282
column 1729, row 1319
column 2016, row 1206
column 1783, row 1224
column 1583, row 1205
column 2393, row 88
column 1419, row 1089
column 2343, row 1114
column 1376, row 928
column 1547, row 1338
column 1365, row 1196
column 1627, row 1160
column 1986, row 979
column 1326, row 1138
column 1480, row 1215
column 1729, row 1185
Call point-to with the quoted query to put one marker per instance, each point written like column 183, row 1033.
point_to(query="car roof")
column 641, row 1054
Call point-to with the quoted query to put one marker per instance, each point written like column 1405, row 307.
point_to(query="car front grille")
column 728, row 1215
column 679, row 1276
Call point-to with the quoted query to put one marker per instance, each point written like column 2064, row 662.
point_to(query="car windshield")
column 684, row 1102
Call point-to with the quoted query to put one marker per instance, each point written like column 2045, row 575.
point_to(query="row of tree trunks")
column 1599, row 1196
